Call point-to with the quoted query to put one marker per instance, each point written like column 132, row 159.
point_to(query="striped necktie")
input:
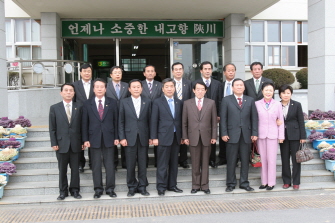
column 179, row 91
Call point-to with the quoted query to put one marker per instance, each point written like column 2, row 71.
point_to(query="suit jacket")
column 156, row 90
column 216, row 92
column 163, row 122
column 234, row 119
column 111, row 93
column 130, row 126
column 62, row 133
column 294, row 122
column 94, row 128
column 80, row 95
column 203, row 124
column 250, row 88
column 267, row 120
column 186, row 89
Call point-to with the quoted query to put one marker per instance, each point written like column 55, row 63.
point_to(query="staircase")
column 36, row 180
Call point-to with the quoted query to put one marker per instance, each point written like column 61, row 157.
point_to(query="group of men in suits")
column 169, row 115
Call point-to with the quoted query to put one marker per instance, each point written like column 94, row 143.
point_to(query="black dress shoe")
column 112, row 194
column 184, row 165
column 194, row 191
column 62, row 196
column 221, row 162
column 97, row 195
column 161, row 192
column 230, row 189
column 263, row 186
column 207, row 191
column 212, row 164
column 145, row 193
column 81, row 169
column 175, row 189
column 76, row 195
column 131, row 193
column 247, row 188
column 270, row 188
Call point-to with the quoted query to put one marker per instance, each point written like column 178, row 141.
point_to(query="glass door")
column 192, row 52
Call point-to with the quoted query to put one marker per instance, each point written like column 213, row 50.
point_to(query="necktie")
column 239, row 102
column 199, row 104
column 179, row 92
column 150, row 88
column 171, row 106
column 137, row 107
column 257, row 85
column 228, row 90
column 267, row 105
column 101, row 109
column 117, row 90
column 68, row 112
column 207, row 83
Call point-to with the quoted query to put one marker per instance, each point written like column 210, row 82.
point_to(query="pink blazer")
column 267, row 126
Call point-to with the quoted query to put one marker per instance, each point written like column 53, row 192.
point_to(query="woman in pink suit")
column 269, row 134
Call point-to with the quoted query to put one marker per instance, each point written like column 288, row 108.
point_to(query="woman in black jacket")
column 294, row 135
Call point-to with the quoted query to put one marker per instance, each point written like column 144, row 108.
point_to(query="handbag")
column 303, row 154
column 255, row 158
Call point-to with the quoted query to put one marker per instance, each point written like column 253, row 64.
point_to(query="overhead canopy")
column 144, row 9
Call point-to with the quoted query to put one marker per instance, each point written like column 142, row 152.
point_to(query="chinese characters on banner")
column 143, row 28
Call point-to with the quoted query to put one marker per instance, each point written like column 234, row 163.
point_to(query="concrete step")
column 38, row 132
column 184, row 182
column 32, row 142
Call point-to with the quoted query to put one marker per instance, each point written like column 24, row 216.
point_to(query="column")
column 3, row 67
column 234, row 43
column 321, row 55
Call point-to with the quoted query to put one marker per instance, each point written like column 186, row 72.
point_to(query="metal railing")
column 47, row 73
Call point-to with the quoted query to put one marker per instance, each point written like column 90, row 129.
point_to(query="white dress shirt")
column 87, row 87
column 65, row 103
column 202, row 101
column 102, row 102
column 204, row 80
column 238, row 97
column 260, row 81
column 225, row 87
column 137, row 101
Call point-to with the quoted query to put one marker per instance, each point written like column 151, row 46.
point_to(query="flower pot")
column 7, row 176
column 2, row 188
column 21, row 140
column 330, row 165
column 318, row 141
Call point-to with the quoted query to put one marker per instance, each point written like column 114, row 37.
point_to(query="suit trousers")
column 183, row 154
column 200, row 169
column 116, row 156
column 289, row 148
column 106, row 154
column 223, row 149
column 137, row 153
column 267, row 148
column 82, row 158
column 65, row 159
column 167, row 165
column 235, row 150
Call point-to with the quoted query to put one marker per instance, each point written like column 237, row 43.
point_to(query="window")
column 288, row 31
column 274, row 55
column 9, row 36
column 257, row 31
column 258, row 54
column 22, row 30
column 133, row 64
column 273, row 31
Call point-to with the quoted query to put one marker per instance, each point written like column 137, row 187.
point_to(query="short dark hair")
column 177, row 63
column 135, row 80
column 284, row 87
column 236, row 79
column 69, row 84
column 166, row 80
column 149, row 66
column 265, row 84
column 85, row 66
column 101, row 80
column 225, row 66
column 256, row 63
column 205, row 63
column 115, row 67
column 201, row 83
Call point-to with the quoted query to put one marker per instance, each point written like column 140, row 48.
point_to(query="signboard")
column 168, row 29
column 103, row 63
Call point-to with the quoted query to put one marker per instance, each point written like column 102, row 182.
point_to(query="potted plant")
column 9, row 155
column 18, row 130
column 24, row 122
column 329, row 157
column 313, row 137
column 322, row 147
column 3, row 132
column 10, row 143
column 3, row 183
column 7, row 169
column 6, row 123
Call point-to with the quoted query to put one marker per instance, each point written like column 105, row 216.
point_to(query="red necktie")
column 101, row 109
column 199, row 104
column 239, row 102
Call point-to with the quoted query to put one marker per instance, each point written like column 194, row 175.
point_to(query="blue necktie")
column 267, row 105
column 172, row 110
column 117, row 90
column 228, row 89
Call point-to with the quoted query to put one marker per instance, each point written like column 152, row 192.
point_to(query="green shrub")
column 302, row 78
column 279, row 76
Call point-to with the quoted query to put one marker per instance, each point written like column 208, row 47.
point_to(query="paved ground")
column 315, row 206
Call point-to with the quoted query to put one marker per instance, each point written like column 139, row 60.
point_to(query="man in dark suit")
column 65, row 136
column 151, row 89
column 229, row 71
column 117, row 90
column 253, row 86
column 183, row 92
column 100, row 132
column 134, row 133
column 200, row 131
column 239, row 127
column 84, row 91
column 165, row 133
column 214, row 92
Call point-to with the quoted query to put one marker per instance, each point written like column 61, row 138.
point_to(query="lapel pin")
column 106, row 105
column 291, row 104
column 144, row 103
column 75, row 108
